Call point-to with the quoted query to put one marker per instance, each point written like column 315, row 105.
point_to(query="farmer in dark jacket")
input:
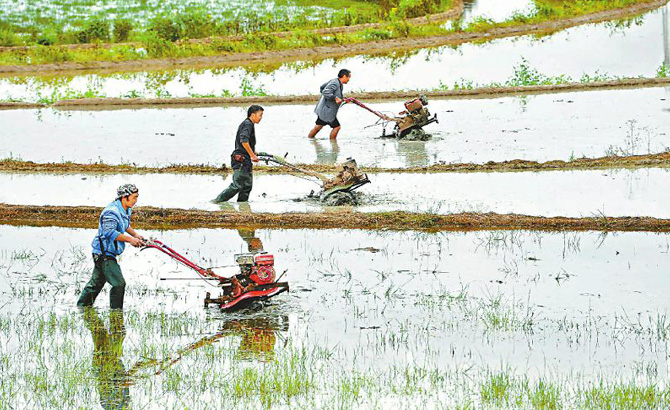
column 242, row 157
column 331, row 98
column 114, row 232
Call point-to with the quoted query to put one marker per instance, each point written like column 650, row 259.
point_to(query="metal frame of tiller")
column 324, row 179
column 225, row 302
column 397, row 132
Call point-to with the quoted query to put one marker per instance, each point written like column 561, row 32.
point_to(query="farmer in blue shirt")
column 332, row 96
column 114, row 232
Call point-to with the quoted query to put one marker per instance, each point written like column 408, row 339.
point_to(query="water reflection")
column 326, row 155
column 253, row 242
column 113, row 378
column 258, row 337
column 414, row 153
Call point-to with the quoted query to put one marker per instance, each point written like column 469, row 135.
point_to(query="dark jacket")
column 240, row 158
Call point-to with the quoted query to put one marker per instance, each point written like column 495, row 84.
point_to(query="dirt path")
column 159, row 218
column 476, row 93
column 661, row 160
column 332, row 51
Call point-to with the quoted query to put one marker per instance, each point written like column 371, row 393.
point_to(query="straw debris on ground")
column 168, row 218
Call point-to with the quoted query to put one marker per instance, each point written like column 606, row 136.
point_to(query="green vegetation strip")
column 258, row 47
column 198, row 27
column 197, row 21
column 526, row 81
column 166, row 218
column 660, row 160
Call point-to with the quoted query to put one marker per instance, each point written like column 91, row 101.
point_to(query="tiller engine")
column 255, row 282
column 348, row 178
column 410, row 122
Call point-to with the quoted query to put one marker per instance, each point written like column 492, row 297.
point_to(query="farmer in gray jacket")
column 331, row 98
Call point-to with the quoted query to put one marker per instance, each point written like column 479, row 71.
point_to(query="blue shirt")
column 114, row 220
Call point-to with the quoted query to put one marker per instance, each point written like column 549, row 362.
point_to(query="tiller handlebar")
column 205, row 273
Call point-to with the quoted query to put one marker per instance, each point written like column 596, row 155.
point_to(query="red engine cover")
column 263, row 271
column 414, row 104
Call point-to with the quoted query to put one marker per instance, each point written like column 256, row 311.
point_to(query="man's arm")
column 136, row 242
column 329, row 93
column 109, row 224
column 245, row 134
column 251, row 152
column 134, row 234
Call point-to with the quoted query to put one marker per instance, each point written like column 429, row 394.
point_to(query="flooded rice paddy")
column 495, row 10
column 557, row 193
column 33, row 13
column 631, row 48
column 373, row 319
column 537, row 127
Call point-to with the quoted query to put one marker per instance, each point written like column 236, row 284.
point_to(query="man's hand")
column 136, row 242
column 140, row 237
column 338, row 100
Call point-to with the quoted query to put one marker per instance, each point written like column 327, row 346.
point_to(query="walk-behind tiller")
column 255, row 282
column 348, row 178
column 410, row 124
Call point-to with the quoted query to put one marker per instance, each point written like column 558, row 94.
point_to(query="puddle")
column 635, row 49
column 494, row 9
column 565, row 308
column 612, row 193
column 475, row 131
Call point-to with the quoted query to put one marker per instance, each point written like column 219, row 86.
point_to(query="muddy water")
column 573, row 193
column 494, row 9
column 616, row 49
column 375, row 301
column 477, row 131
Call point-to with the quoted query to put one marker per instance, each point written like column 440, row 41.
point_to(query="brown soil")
column 158, row 218
column 661, row 160
column 332, row 51
column 17, row 105
column 451, row 14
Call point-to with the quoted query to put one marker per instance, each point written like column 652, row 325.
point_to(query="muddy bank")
column 660, row 160
column 10, row 105
column 332, row 51
column 164, row 218
column 483, row 92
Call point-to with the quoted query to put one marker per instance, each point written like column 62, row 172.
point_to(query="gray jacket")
column 327, row 108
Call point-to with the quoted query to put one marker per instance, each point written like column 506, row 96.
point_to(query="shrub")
column 165, row 28
column 159, row 47
column 376, row 34
column 9, row 38
column 260, row 41
column 418, row 8
column 52, row 54
column 122, row 29
column 401, row 28
column 195, row 25
column 94, row 30
column 222, row 45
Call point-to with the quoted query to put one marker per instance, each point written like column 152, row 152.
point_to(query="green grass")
column 162, row 38
column 180, row 19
